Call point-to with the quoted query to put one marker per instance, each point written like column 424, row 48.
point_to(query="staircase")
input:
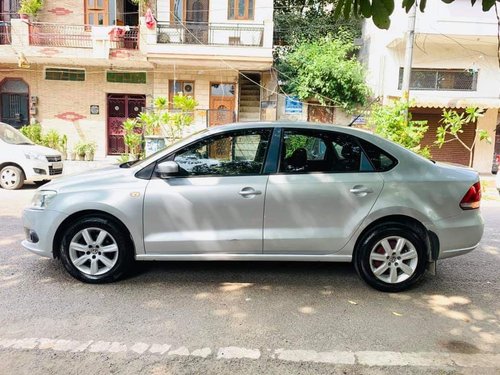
column 249, row 109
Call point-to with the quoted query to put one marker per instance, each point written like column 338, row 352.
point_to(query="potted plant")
column 63, row 147
column 79, row 150
column 29, row 8
column 90, row 151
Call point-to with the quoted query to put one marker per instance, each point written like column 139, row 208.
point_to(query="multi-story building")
column 82, row 67
column 455, row 65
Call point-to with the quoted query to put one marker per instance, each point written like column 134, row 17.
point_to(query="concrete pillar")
column 483, row 154
column 20, row 33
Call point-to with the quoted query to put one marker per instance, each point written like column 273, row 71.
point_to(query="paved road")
column 245, row 317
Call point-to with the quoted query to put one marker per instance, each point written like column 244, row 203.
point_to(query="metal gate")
column 120, row 108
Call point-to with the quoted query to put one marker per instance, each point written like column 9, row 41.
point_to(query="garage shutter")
column 452, row 152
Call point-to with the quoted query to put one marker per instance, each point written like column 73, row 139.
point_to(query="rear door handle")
column 248, row 192
column 361, row 190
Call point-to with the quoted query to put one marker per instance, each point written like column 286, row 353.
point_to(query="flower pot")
column 89, row 156
column 81, row 157
column 24, row 17
column 73, row 156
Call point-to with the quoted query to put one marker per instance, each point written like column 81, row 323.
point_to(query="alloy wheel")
column 93, row 251
column 393, row 259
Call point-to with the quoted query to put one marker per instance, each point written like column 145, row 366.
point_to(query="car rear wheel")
column 391, row 257
column 95, row 250
column 11, row 177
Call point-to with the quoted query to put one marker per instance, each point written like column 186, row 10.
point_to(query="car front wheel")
column 11, row 177
column 95, row 250
column 391, row 257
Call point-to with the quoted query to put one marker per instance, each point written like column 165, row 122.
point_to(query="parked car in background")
column 496, row 163
column 21, row 160
column 263, row 191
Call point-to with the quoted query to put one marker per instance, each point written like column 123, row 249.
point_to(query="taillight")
column 498, row 158
column 472, row 199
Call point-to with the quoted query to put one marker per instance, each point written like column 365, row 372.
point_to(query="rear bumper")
column 459, row 235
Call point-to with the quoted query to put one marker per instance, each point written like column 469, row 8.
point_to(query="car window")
column 380, row 159
column 321, row 151
column 230, row 154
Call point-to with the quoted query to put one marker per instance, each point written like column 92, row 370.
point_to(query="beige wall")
column 483, row 154
column 63, row 11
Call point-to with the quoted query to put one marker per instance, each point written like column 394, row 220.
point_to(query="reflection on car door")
column 217, row 206
column 324, row 189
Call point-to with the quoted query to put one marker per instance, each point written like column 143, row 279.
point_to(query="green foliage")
column 389, row 121
column 452, row 125
column 132, row 137
column 325, row 70
column 30, row 7
column 381, row 10
column 33, row 132
column 52, row 139
column 80, row 148
column 297, row 21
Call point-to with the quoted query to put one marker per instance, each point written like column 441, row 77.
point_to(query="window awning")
column 441, row 102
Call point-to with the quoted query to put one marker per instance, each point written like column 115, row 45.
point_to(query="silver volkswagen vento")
column 263, row 191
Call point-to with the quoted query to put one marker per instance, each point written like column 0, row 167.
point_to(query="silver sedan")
column 263, row 191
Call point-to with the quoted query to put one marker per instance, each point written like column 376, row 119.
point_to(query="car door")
column 216, row 205
column 324, row 188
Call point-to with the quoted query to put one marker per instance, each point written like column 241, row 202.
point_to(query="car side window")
column 305, row 151
column 230, row 154
column 380, row 159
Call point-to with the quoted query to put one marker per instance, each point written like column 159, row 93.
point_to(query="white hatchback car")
column 21, row 160
column 263, row 191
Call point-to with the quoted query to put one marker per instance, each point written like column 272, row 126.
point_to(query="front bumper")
column 44, row 224
column 40, row 171
column 459, row 235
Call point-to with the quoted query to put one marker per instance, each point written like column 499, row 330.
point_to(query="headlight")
column 35, row 156
column 42, row 198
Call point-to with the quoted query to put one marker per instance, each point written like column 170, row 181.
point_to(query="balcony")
column 82, row 36
column 211, row 34
column 5, row 31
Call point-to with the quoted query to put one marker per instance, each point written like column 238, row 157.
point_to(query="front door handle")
column 361, row 190
column 248, row 192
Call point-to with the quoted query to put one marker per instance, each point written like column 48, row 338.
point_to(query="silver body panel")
column 304, row 217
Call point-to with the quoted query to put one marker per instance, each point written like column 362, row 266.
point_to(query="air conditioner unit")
column 187, row 88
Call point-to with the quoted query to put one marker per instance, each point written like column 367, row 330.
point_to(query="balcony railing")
column 82, row 36
column 60, row 35
column 5, row 30
column 211, row 34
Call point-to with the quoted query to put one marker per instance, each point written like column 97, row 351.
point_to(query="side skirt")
column 245, row 257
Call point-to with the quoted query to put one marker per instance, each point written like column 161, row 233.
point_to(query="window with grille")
column 62, row 74
column 441, row 79
column 126, row 77
column 241, row 9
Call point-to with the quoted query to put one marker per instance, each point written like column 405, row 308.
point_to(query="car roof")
column 289, row 124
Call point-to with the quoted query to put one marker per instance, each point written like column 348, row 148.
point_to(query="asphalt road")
column 225, row 317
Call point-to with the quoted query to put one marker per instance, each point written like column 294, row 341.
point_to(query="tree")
column 381, row 10
column 453, row 124
column 389, row 121
column 325, row 70
column 296, row 21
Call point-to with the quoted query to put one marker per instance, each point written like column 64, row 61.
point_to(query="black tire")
column 125, row 255
column 368, row 242
column 11, row 177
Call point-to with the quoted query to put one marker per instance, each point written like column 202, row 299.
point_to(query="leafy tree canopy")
column 296, row 21
column 325, row 70
column 381, row 10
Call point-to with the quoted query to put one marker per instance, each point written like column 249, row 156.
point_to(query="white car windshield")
column 13, row 136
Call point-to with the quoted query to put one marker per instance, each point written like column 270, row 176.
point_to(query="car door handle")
column 361, row 190
column 249, row 192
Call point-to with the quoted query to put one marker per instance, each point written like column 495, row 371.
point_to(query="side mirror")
column 167, row 169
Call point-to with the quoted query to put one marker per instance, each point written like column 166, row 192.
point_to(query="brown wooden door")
column 96, row 12
column 222, row 103
column 120, row 108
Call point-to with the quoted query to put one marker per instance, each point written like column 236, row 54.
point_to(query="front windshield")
column 12, row 136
